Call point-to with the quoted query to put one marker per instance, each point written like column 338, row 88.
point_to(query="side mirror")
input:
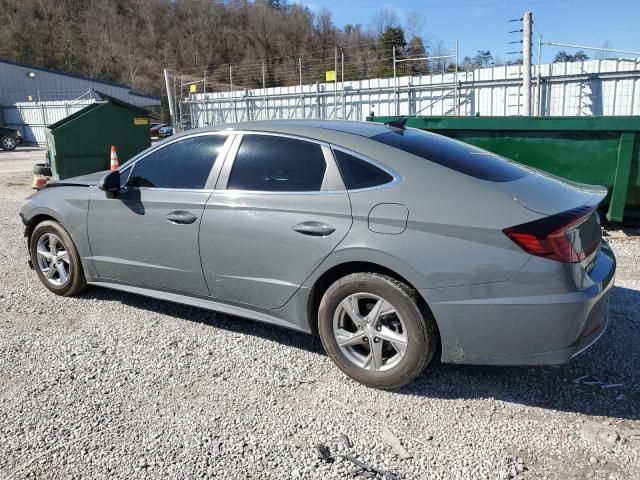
column 110, row 183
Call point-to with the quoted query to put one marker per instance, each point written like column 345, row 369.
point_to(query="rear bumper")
column 547, row 314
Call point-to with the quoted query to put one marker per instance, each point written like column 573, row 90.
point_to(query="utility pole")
column 169, row 96
column 526, row 62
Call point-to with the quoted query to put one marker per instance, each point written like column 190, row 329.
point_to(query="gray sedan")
column 392, row 244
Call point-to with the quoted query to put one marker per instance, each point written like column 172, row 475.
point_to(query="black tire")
column 76, row 281
column 8, row 143
column 42, row 169
column 421, row 329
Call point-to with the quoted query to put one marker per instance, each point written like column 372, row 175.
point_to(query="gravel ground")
column 112, row 385
column 21, row 160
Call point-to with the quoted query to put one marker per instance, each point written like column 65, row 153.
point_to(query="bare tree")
column 130, row 41
column 383, row 20
column 414, row 24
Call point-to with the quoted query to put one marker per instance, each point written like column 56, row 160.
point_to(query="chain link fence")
column 354, row 83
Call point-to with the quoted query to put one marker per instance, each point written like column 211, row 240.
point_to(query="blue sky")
column 483, row 24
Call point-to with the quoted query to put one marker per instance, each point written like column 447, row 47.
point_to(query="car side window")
column 185, row 164
column 357, row 173
column 277, row 164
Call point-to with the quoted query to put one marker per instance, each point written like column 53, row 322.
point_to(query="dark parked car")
column 392, row 244
column 10, row 138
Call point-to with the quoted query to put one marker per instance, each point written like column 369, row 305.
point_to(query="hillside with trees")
column 131, row 41
column 267, row 42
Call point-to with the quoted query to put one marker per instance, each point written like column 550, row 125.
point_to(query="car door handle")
column 181, row 217
column 314, row 229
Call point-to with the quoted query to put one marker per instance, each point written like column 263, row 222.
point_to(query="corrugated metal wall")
column 32, row 118
column 598, row 87
column 16, row 85
column 32, row 98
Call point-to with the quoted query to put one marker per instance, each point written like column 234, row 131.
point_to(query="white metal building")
column 33, row 97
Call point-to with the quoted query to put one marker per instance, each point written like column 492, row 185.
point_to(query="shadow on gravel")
column 587, row 384
column 614, row 359
column 290, row 338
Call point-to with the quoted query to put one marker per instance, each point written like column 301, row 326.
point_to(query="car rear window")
column 456, row 155
column 358, row 173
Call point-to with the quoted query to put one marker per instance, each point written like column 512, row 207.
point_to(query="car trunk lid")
column 548, row 194
column 570, row 231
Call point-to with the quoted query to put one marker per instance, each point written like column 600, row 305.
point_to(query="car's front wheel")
column 376, row 329
column 56, row 260
column 8, row 143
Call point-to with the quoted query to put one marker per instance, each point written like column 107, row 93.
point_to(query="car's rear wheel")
column 56, row 260
column 8, row 143
column 376, row 329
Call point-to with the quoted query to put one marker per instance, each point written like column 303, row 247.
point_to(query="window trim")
column 213, row 173
column 396, row 177
column 331, row 177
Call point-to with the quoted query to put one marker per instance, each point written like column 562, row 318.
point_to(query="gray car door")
column 147, row 235
column 279, row 209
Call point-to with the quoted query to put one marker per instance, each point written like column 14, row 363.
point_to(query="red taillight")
column 549, row 236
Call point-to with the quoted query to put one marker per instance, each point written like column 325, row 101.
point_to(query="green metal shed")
column 81, row 143
column 593, row 150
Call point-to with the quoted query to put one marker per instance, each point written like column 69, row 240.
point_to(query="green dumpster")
column 593, row 150
column 81, row 143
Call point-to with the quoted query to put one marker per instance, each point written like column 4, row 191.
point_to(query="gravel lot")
column 112, row 385
column 21, row 160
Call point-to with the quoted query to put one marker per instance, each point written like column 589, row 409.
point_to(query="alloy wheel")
column 53, row 259
column 8, row 143
column 370, row 332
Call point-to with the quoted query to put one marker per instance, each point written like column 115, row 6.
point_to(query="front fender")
column 67, row 206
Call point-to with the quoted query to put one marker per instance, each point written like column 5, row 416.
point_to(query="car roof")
column 318, row 129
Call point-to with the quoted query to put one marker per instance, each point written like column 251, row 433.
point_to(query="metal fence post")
column 335, row 83
column 179, row 101
column 264, row 93
column 301, row 92
column 233, row 98
column 344, row 115
column 456, row 94
column 539, row 80
column 395, row 80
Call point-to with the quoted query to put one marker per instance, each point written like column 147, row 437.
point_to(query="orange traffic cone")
column 114, row 158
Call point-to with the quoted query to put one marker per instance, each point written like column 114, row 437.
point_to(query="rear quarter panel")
column 454, row 227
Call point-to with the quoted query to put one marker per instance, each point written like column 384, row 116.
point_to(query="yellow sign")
column 193, row 88
column 330, row 75
column 140, row 121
